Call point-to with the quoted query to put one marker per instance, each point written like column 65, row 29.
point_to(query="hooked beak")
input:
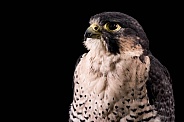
column 93, row 32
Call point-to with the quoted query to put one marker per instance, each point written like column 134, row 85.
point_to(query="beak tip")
column 87, row 35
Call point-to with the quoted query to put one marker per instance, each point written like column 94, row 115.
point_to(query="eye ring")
column 112, row 26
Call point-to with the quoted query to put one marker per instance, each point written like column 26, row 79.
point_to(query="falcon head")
column 115, row 32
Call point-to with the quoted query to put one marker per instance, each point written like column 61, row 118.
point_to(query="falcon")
column 119, row 79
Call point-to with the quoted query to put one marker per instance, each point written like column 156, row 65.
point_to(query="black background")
column 53, row 36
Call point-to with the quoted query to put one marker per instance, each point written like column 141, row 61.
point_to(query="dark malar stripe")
column 112, row 44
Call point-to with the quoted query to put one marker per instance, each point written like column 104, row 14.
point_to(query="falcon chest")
column 106, row 84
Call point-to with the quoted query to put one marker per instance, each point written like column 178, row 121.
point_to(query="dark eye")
column 112, row 26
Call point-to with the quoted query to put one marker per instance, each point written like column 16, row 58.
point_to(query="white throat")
column 95, row 44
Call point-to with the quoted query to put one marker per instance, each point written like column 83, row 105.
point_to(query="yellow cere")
column 95, row 27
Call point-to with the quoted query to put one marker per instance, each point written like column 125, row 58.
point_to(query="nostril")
column 95, row 28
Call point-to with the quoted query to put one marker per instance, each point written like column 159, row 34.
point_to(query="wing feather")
column 160, row 91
